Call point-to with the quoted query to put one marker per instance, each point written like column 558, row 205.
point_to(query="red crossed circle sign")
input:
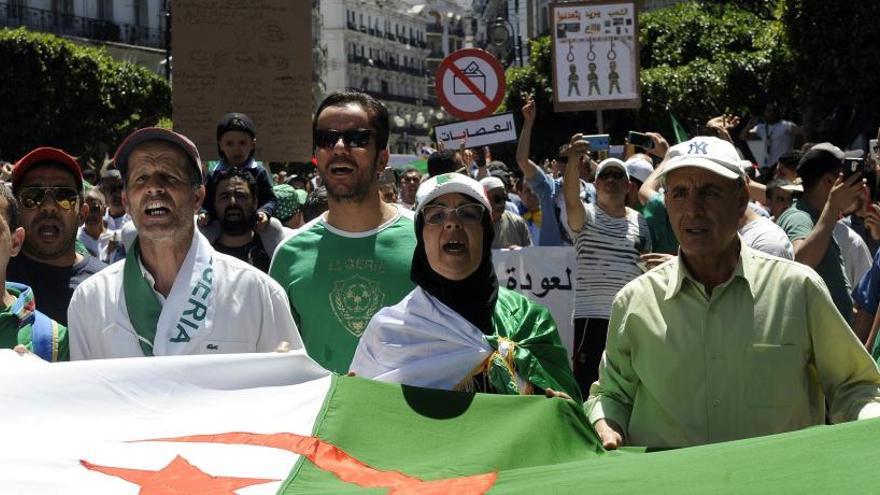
column 470, row 83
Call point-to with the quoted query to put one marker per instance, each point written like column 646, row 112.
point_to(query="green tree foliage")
column 834, row 46
column 57, row 93
column 698, row 60
column 703, row 59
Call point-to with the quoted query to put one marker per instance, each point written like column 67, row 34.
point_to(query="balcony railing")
column 411, row 130
column 386, row 65
column 13, row 15
column 383, row 95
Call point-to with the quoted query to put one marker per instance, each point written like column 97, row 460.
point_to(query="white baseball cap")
column 491, row 182
column 611, row 163
column 638, row 168
column 710, row 153
column 451, row 182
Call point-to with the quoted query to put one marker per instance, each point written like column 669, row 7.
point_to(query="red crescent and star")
column 180, row 477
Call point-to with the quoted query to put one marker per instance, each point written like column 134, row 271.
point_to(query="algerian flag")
column 680, row 134
column 265, row 423
column 259, row 424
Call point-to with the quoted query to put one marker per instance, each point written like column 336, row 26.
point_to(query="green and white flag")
column 681, row 135
column 259, row 424
column 277, row 423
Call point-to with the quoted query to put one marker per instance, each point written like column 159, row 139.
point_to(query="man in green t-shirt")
column 20, row 323
column 663, row 240
column 810, row 222
column 342, row 267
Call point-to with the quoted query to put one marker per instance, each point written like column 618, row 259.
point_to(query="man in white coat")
column 173, row 294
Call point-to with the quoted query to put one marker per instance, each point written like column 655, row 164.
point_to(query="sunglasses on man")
column 351, row 138
column 33, row 197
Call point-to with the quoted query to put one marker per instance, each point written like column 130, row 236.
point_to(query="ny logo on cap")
column 699, row 147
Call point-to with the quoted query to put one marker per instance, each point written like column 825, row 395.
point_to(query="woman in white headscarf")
column 457, row 330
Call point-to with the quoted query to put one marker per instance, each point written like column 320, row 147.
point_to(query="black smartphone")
column 640, row 139
column 853, row 166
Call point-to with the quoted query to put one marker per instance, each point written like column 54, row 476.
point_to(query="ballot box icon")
column 475, row 75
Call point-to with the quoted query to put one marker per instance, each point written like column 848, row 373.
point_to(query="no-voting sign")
column 470, row 83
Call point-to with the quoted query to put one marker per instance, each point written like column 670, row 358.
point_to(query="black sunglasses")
column 351, row 138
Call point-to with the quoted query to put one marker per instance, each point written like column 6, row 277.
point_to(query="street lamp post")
column 501, row 38
column 167, row 40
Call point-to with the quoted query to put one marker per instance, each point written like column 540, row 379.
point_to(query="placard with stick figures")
column 595, row 55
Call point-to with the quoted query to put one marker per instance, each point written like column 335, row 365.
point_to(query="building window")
column 105, row 10
column 141, row 13
column 14, row 9
column 63, row 10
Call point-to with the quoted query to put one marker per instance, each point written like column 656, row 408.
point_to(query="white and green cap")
column 452, row 182
column 706, row 152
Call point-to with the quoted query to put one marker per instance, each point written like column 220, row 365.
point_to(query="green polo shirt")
column 760, row 356
column 798, row 221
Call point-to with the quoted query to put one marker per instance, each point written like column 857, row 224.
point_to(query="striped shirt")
column 608, row 251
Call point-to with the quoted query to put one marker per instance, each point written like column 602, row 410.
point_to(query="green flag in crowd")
column 680, row 134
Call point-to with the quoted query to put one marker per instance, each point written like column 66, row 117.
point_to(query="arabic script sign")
column 545, row 275
column 470, row 83
column 595, row 55
column 498, row 128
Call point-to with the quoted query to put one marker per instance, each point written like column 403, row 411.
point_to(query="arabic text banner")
column 498, row 128
column 545, row 275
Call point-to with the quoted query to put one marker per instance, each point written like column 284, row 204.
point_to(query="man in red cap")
column 47, row 182
column 21, row 326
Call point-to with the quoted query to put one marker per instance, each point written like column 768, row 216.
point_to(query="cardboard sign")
column 470, row 83
column 252, row 57
column 595, row 55
column 473, row 133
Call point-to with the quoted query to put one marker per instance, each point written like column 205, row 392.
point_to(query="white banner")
column 474, row 133
column 545, row 275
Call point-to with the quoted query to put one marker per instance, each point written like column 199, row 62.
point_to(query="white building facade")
column 130, row 30
column 380, row 47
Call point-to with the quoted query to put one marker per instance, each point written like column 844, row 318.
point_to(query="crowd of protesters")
column 715, row 298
